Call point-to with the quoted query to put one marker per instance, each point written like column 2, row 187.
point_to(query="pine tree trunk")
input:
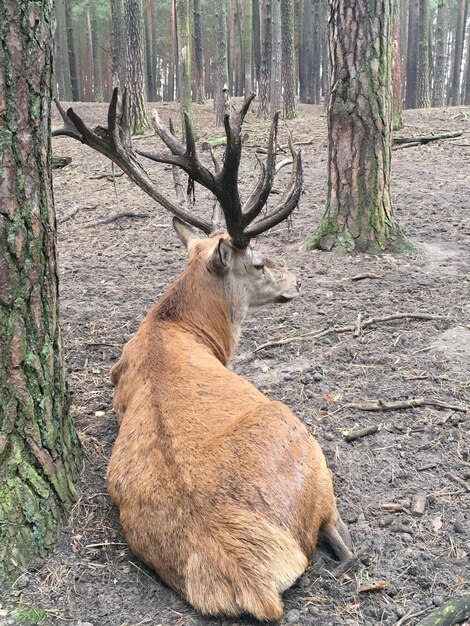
column 172, row 53
column 265, row 69
column 118, row 43
column 467, row 80
column 72, row 52
column 220, row 60
column 458, row 53
column 150, row 71
column 297, row 40
column 256, row 29
column 359, row 212
column 424, row 99
column 63, row 57
column 411, row 98
column 138, row 117
column 397, row 121
column 97, row 71
column 315, row 86
column 306, row 52
column 38, row 446
column 275, row 96
column 58, row 86
column 184, row 57
column 248, row 48
column 198, row 55
column 288, row 60
column 440, row 62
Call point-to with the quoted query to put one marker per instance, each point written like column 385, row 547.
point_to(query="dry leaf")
column 373, row 586
column 329, row 399
column 436, row 524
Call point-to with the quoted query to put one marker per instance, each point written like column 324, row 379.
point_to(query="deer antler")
column 115, row 142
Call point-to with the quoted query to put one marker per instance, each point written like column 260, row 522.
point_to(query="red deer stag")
column 220, row 490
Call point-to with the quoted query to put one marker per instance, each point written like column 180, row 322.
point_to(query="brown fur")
column 220, row 490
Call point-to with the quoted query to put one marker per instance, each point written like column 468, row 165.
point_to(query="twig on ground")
column 352, row 435
column 427, row 138
column 411, row 144
column 349, row 328
column 117, row 216
column 110, row 177
column 403, row 404
column 358, row 329
column 363, row 276
column 458, row 480
column 72, row 212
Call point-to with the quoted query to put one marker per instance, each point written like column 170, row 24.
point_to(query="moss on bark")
column 38, row 445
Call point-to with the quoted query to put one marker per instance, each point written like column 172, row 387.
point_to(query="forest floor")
column 111, row 273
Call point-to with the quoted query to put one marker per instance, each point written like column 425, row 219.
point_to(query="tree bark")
column 256, row 28
column 288, row 60
column 315, row 85
column 198, row 55
column 359, row 213
column 397, row 121
column 424, row 99
column 58, row 88
column 467, row 80
column 138, row 117
column 38, row 445
column 458, row 52
column 440, row 58
column 306, row 52
column 220, row 60
column 248, row 47
column 275, row 95
column 184, row 57
column 265, row 69
column 97, row 71
column 150, row 70
column 72, row 52
column 118, row 43
column 411, row 98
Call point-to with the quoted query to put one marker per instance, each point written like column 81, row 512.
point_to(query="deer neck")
column 204, row 306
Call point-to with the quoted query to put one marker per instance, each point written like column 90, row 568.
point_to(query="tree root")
column 450, row 613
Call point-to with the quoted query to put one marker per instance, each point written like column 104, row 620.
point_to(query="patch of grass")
column 29, row 616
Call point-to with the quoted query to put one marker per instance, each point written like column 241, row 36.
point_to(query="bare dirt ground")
column 112, row 273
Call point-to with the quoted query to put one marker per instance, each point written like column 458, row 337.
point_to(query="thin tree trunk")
column 138, row 117
column 248, row 48
column 288, row 60
column 397, row 121
column 198, row 54
column 440, row 57
column 39, row 449
column 118, row 43
column 265, row 69
column 230, row 46
column 256, row 39
column 467, row 80
column 458, row 52
column 58, row 86
column 359, row 213
column 220, row 60
column 297, row 40
column 275, row 96
column 315, row 86
column 96, row 51
column 411, row 98
column 424, row 99
column 150, row 72
column 172, row 53
column 306, row 52
column 184, row 57
column 72, row 52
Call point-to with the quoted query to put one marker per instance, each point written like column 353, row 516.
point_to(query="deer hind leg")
column 337, row 535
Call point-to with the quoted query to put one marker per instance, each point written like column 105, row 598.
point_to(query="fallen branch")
column 412, row 144
column 72, row 212
column 450, row 613
column 404, row 404
column 458, row 480
column 117, row 216
column 363, row 276
column 109, row 177
column 349, row 328
column 426, row 138
column 352, row 435
column 345, row 566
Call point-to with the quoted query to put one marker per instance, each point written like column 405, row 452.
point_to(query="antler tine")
column 68, row 129
column 112, row 146
column 259, row 196
column 289, row 200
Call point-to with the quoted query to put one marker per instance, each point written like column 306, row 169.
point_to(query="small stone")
column 317, row 377
column 438, row 600
column 459, row 527
column 304, row 581
column 293, row 616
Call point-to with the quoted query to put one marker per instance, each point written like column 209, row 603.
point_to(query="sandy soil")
column 112, row 273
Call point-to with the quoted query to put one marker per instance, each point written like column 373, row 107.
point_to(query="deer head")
column 241, row 220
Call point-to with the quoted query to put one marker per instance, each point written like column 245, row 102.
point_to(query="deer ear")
column 219, row 260
column 185, row 232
